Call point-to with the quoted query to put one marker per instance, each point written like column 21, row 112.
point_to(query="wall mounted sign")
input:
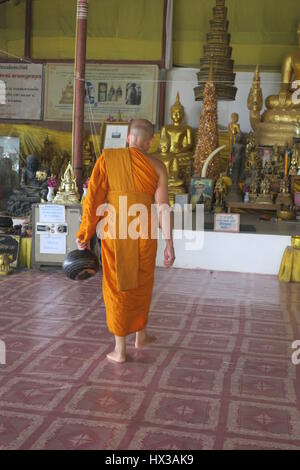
column 110, row 90
column 22, row 91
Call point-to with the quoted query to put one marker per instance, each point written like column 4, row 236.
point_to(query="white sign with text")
column 227, row 223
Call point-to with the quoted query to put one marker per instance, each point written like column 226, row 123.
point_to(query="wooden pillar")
column 163, row 72
column 28, row 16
column 79, row 85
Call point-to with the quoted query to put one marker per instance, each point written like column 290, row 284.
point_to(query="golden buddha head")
column 235, row 118
column 177, row 111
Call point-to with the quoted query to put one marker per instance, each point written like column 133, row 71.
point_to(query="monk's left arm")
column 96, row 195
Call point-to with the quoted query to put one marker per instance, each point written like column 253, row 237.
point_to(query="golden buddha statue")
column 67, row 192
column 178, row 137
column 253, row 191
column 233, row 129
column 294, row 163
column 282, row 106
column 5, row 261
column 220, row 191
column 265, row 195
column 277, row 124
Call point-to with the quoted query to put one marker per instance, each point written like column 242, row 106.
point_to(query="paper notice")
column 53, row 244
column 52, row 213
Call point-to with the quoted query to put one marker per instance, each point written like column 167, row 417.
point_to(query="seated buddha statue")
column 178, row 138
column 67, row 192
column 282, row 107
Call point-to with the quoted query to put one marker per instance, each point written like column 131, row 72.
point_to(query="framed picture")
column 131, row 89
column 113, row 135
column 201, row 192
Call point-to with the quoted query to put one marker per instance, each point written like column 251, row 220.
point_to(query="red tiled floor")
column 220, row 375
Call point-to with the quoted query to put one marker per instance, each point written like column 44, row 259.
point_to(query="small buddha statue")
column 284, row 199
column 253, row 164
column 5, row 261
column 233, row 129
column 67, row 192
column 251, row 144
column 264, row 194
column 253, row 191
column 220, row 193
column 294, row 163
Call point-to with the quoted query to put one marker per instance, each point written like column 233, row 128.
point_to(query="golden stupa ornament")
column 67, row 192
column 208, row 134
column 218, row 45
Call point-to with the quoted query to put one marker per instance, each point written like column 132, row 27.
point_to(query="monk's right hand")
column 81, row 245
column 169, row 255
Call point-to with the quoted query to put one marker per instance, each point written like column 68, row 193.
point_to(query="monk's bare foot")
column 143, row 340
column 116, row 357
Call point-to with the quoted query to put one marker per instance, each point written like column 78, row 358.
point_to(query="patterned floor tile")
column 79, row 434
column 268, row 330
column 124, row 374
column 201, row 360
column 219, row 375
column 209, row 342
column 264, row 420
column 117, row 403
column 263, row 388
column 215, row 325
column 266, row 347
column 32, row 394
column 191, row 381
column 248, row 444
column 188, row 412
column 147, row 438
column 15, row 428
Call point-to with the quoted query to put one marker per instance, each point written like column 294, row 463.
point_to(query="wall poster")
column 21, row 91
column 110, row 90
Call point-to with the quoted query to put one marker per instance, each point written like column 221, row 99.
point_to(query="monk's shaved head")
column 140, row 134
column 141, row 128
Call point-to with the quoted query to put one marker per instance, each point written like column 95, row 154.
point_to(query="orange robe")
column 126, row 310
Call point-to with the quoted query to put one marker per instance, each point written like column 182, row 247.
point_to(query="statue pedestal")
column 270, row 134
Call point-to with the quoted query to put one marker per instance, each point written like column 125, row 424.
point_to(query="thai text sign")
column 21, row 91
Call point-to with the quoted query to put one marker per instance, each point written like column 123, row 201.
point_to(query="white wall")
column 236, row 252
column 185, row 79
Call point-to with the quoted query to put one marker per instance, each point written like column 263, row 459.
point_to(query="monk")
column 128, row 263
